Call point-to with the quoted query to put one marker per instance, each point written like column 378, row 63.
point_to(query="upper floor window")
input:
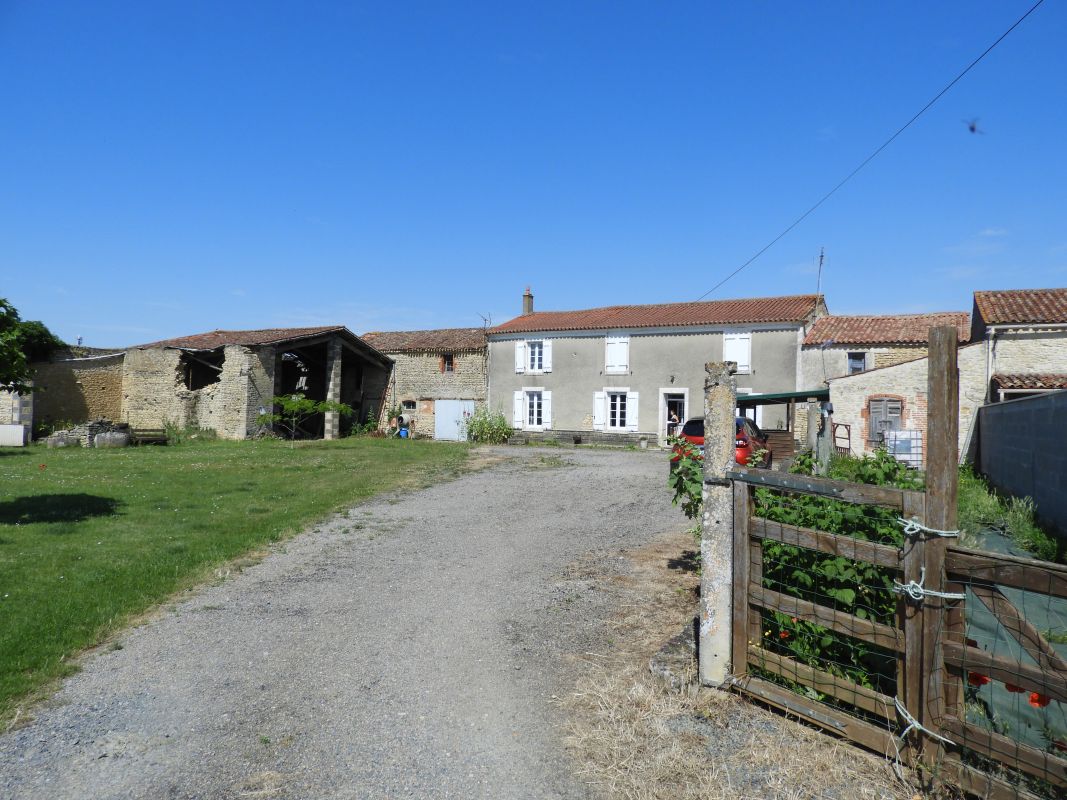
column 857, row 362
column 533, row 356
column 448, row 362
column 616, row 355
column 737, row 347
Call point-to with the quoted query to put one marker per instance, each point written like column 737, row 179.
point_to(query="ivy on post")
column 716, row 538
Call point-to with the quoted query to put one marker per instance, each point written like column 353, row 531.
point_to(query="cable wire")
column 872, row 156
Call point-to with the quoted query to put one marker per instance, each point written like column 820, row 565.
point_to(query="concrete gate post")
column 716, row 537
column 332, row 428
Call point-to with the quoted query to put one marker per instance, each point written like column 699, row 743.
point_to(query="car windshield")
column 695, row 427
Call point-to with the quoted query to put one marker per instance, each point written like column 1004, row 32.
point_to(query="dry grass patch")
column 635, row 738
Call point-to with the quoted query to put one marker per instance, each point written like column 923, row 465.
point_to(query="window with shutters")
column 883, row 414
column 534, row 409
column 448, row 362
column 857, row 362
column 616, row 355
column 737, row 347
column 617, row 410
column 535, row 356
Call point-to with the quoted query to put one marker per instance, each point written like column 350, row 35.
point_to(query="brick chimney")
column 527, row 301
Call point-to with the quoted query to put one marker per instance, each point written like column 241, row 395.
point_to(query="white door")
column 448, row 419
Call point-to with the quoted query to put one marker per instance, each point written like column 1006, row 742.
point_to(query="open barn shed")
column 223, row 380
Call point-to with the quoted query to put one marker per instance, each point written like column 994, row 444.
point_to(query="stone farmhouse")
column 845, row 345
column 1016, row 345
column 439, row 377
column 222, row 380
column 617, row 373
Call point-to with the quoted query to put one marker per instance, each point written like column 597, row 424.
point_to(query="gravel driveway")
column 411, row 648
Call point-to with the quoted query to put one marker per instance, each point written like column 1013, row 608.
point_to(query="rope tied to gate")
column 912, row 527
column 915, row 725
column 918, row 592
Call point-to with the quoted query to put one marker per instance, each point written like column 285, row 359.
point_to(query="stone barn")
column 224, row 380
column 440, row 377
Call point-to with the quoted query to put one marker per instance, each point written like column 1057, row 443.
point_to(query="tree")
column 20, row 343
column 14, row 369
column 297, row 409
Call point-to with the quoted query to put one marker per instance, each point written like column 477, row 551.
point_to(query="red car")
column 747, row 440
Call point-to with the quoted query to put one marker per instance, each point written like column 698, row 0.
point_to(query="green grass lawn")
column 91, row 538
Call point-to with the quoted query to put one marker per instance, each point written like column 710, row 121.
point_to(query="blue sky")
column 170, row 168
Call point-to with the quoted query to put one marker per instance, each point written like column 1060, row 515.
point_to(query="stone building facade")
column 154, row 393
column 78, row 389
column 224, row 380
column 432, row 366
column 844, row 345
column 1015, row 333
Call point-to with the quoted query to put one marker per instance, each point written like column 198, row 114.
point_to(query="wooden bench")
column 148, row 436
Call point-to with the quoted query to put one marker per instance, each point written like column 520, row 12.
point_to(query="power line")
column 872, row 156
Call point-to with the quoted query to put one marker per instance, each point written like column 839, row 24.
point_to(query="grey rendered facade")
column 584, row 384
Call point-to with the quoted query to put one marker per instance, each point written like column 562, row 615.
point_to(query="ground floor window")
column 534, row 409
column 616, row 409
column 883, row 414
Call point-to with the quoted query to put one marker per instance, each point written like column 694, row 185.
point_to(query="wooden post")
column 942, row 478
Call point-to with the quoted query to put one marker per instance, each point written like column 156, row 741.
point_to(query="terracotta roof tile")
column 209, row 341
column 894, row 329
column 441, row 340
column 1047, row 380
column 1022, row 306
column 793, row 308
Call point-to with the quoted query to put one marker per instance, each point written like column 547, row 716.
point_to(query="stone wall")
column 417, row 377
column 78, row 390
column 154, row 394
column 12, row 408
column 907, row 382
column 818, row 364
column 888, row 356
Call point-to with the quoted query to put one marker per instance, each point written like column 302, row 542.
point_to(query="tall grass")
column 91, row 538
column 981, row 508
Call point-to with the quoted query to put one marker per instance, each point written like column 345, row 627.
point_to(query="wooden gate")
column 890, row 664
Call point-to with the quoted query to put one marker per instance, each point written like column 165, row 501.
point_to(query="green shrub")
column 686, row 478
column 488, row 427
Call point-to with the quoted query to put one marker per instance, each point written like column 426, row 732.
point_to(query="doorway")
column 673, row 405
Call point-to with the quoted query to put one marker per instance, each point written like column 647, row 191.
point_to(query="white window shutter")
column 546, row 409
column 631, row 411
column 520, row 410
column 738, row 347
column 616, row 355
column 520, row 356
column 546, row 356
column 600, row 402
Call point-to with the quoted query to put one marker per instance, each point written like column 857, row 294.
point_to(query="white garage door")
column 448, row 419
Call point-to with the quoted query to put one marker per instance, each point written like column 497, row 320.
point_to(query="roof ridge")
column 681, row 303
